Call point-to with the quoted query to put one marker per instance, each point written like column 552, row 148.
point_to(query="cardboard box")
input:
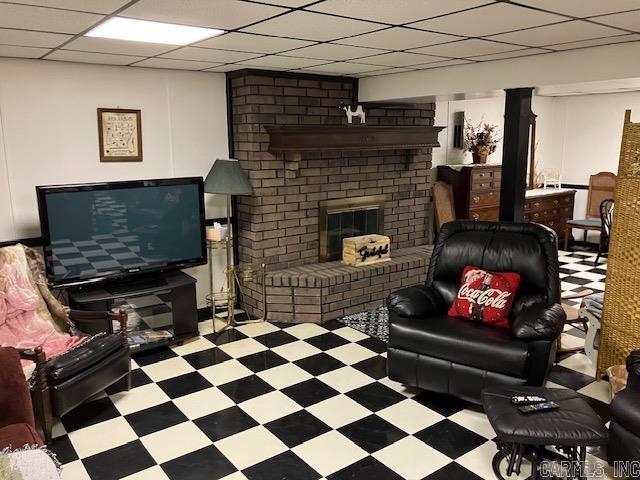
column 366, row 250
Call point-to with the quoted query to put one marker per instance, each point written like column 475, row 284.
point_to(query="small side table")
column 571, row 428
column 226, row 300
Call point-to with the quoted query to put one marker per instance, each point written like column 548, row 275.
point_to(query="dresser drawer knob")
column 476, row 199
column 537, row 204
column 556, row 202
column 536, row 215
column 476, row 216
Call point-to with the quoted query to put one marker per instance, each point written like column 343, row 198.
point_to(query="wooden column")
column 515, row 149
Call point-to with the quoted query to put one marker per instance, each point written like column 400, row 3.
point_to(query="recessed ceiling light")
column 155, row 32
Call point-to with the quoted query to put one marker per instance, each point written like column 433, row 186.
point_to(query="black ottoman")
column 569, row 429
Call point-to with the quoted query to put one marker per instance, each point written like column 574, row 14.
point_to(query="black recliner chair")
column 624, row 430
column 430, row 350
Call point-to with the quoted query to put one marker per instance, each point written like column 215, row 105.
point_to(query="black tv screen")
column 105, row 230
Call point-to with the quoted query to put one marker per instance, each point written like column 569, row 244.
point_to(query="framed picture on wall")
column 120, row 135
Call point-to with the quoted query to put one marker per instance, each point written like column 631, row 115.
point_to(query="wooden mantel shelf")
column 326, row 138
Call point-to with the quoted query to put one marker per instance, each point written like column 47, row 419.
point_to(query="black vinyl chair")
column 430, row 350
column 606, row 217
column 62, row 383
column 624, row 430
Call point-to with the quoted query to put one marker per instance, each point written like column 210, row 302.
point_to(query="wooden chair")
column 601, row 187
column 606, row 217
column 443, row 203
column 573, row 318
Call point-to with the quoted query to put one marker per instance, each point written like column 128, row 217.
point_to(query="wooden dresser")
column 476, row 193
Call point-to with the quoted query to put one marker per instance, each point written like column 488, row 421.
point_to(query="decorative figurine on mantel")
column 359, row 112
column 481, row 141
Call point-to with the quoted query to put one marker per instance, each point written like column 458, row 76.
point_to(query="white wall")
column 49, row 133
column 487, row 110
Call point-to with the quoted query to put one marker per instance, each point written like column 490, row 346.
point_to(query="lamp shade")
column 227, row 177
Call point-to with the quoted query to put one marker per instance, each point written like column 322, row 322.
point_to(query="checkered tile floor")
column 281, row 401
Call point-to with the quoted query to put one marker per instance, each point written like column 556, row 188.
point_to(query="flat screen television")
column 100, row 231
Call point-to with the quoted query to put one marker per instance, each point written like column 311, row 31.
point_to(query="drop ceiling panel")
column 345, row 68
column 312, row 26
column 119, row 47
column 45, row 19
column 21, row 52
column 174, row 64
column 279, row 61
column 224, row 68
column 466, row 48
column 396, row 12
column 224, row 14
column 489, row 20
column 331, row 51
column 287, row 3
column 31, row 39
column 582, row 8
column 209, row 55
column 94, row 6
column 629, row 20
column 525, row 52
column 446, row 63
column 245, row 42
column 400, row 59
column 597, row 42
column 387, row 71
column 88, row 57
column 398, row 38
column 558, row 33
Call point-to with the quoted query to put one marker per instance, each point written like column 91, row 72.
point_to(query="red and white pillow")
column 485, row 296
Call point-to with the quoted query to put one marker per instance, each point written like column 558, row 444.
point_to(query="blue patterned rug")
column 374, row 323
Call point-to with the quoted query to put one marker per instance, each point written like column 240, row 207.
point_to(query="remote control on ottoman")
column 527, row 399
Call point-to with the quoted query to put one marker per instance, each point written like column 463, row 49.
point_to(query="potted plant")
column 481, row 141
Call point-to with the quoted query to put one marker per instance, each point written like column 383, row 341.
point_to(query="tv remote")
column 527, row 399
column 539, row 407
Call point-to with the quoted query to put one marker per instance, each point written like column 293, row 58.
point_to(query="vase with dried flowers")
column 481, row 141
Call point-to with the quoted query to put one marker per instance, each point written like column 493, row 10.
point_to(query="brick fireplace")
column 281, row 224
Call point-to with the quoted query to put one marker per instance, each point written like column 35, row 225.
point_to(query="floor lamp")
column 227, row 177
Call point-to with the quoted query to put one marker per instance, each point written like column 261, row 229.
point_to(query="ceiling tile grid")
column 26, row 38
column 45, row 19
column 341, row 37
column 222, row 14
column 93, row 57
column 397, row 13
column 247, row 42
column 312, row 26
column 489, row 20
column 209, row 55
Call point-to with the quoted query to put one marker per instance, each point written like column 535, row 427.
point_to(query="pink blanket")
column 29, row 315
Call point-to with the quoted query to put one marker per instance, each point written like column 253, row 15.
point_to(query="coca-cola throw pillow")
column 485, row 296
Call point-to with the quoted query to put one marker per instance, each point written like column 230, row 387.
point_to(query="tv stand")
column 136, row 284
column 166, row 301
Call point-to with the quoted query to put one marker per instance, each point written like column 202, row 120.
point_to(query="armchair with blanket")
column 433, row 351
column 65, row 366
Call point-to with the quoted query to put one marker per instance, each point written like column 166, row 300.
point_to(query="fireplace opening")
column 348, row 217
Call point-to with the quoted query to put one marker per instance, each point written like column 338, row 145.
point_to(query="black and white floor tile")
column 280, row 401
